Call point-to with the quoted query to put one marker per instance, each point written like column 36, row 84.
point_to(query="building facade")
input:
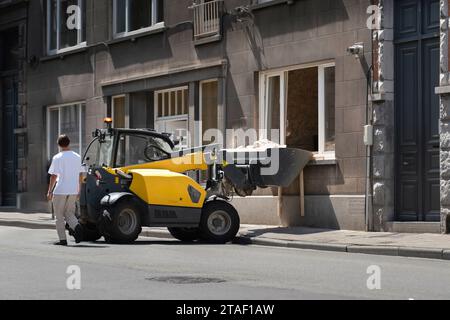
column 319, row 71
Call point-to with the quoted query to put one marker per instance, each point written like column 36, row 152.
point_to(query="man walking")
column 64, row 189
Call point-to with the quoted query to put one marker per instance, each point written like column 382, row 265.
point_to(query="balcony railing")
column 207, row 18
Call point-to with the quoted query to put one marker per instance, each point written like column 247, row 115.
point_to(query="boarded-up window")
column 209, row 109
column 118, row 112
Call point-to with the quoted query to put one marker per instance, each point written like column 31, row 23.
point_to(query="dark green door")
column 8, row 142
column 417, row 110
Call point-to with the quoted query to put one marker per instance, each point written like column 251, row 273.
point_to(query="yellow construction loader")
column 134, row 179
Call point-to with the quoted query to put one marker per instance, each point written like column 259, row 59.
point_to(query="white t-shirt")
column 67, row 166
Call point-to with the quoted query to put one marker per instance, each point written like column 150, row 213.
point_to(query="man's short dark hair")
column 63, row 141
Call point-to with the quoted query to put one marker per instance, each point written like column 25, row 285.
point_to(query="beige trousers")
column 64, row 207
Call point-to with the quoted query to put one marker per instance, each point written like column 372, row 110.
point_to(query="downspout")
column 368, row 140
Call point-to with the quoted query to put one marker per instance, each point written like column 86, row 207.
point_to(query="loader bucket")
column 278, row 167
column 291, row 163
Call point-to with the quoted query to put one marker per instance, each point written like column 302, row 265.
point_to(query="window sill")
column 209, row 39
column 320, row 160
column 270, row 4
column 63, row 54
column 442, row 90
column 131, row 36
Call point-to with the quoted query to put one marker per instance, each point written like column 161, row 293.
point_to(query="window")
column 298, row 107
column 136, row 149
column 171, row 114
column 91, row 156
column 133, row 16
column 99, row 153
column 9, row 44
column 66, row 25
column 66, row 119
column 105, row 152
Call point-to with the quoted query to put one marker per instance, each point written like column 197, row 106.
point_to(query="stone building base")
column 344, row 212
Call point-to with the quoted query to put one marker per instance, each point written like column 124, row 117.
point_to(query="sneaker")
column 78, row 233
column 61, row 243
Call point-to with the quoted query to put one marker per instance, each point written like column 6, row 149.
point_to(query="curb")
column 27, row 224
column 156, row 234
column 411, row 252
column 243, row 240
column 51, row 226
column 377, row 250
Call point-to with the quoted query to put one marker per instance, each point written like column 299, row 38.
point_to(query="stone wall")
column 21, row 125
column 383, row 119
column 445, row 120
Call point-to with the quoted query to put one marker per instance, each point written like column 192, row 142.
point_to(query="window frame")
column 284, row 85
column 80, row 44
column 58, row 107
column 154, row 26
column 263, row 118
column 322, row 112
column 184, row 116
column 178, row 117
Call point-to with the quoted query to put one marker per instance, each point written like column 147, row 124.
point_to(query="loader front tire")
column 185, row 234
column 125, row 226
column 219, row 222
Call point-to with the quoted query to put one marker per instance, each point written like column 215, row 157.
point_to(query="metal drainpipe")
column 369, row 123
column 369, row 196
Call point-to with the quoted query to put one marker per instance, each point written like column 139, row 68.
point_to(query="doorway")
column 417, row 183
column 9, row 66
column 8, row 141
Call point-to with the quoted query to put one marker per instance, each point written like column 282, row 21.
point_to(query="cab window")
column 138, row 149
column 91, row 156
column 99, row 152
column 106, row 151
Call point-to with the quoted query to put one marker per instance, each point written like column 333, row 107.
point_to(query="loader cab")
column 116, row 148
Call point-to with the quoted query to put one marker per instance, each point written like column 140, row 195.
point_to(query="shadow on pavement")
column 253, row 233
column 169, row 242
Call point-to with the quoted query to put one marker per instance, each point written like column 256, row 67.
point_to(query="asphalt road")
column 32, row 268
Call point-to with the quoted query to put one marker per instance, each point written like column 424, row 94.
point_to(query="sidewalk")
column 433, row 246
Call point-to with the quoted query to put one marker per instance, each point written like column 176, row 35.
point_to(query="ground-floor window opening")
column 66, row 119
column 298, row 103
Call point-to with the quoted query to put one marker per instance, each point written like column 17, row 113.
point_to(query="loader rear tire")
column 185, row 234
column 219, row 222
column 125, row 226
